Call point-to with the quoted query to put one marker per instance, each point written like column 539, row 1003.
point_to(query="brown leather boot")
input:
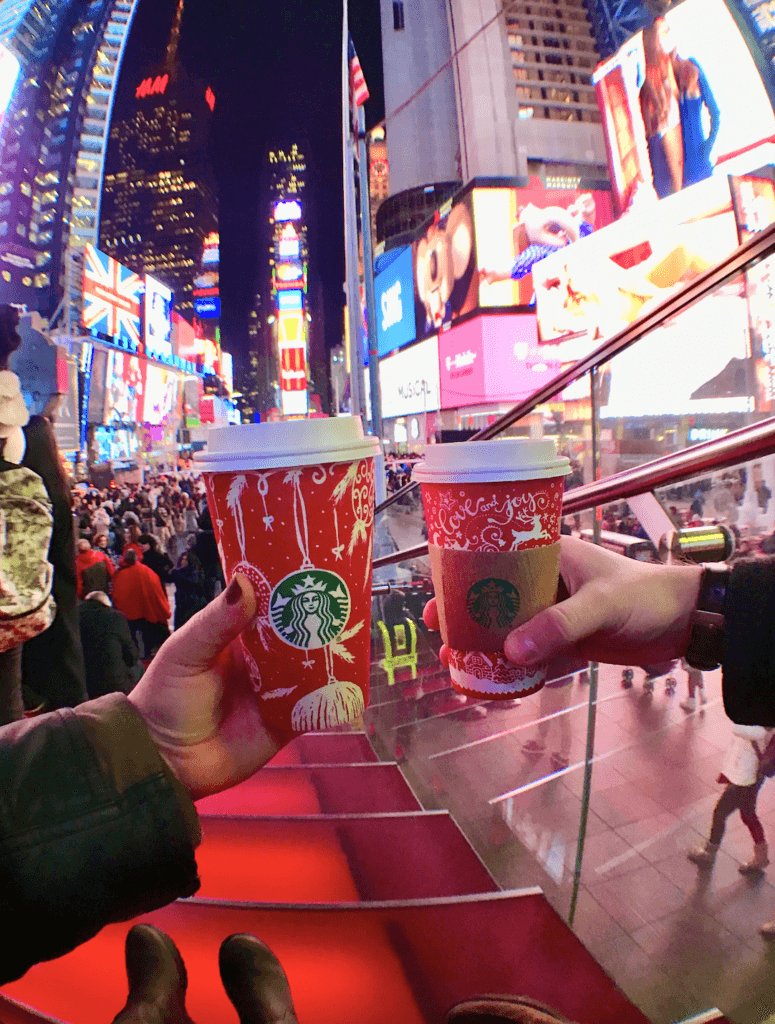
column 255, row 981
column 157, row 979
column 495, row 1009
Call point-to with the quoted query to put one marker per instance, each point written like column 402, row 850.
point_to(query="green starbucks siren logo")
column 310, row 608
column 493, row 603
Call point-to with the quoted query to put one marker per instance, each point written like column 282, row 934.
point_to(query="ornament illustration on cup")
column 271, row 489
column 493, row 512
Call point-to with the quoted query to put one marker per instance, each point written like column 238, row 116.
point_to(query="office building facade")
column 53, row 146
column 159, row 200
column 499, row 87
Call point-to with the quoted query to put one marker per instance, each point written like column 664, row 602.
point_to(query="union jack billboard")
column 111, row 296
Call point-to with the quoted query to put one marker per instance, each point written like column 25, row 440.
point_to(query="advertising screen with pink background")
column 493, row 358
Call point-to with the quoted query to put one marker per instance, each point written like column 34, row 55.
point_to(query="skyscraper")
column 159, row 200
column 288, row 256
column 479, row 89
column 54, row 136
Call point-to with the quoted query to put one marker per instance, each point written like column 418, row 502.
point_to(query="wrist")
column 705, row 650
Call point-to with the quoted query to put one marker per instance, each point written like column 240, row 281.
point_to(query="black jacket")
column 94, row 829
column 112, row 662
column 160, row 563
column 749, row 655
column 52, row 662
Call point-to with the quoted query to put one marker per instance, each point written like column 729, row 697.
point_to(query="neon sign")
column 152, row 86
column 210, row 98
column 288, row 210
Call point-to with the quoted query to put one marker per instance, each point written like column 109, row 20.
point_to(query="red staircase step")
column 336, row 860
column 331, row 789
column 373, row 965
column 326, row 748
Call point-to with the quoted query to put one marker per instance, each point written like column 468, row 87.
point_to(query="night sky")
column 275, row 70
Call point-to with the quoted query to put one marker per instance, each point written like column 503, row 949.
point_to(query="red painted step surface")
column 326, row 748
column 338, row 860
column 365, row 966
column 360, row 789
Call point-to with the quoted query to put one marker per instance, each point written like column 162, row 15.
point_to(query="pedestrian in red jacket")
column 138, row 593
column 96, row 565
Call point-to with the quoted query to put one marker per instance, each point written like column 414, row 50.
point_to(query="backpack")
column 26, row 524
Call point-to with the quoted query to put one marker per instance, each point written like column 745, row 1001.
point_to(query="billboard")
column 493, row 358
column 125, row 388
column 515, row 228
column 673, row 111
column 289, row 209
column 111, row 297
column 9, row 72
column 608, row 280
column 289, row 274
column 161, row 394
column 409, row 380
column 158, row 318
column 288, row 245
column 208, row 308
column 184, row 338
column 227, row 370
column 480, row 249
column 290, row 300
column 394, row 302
column 95, row 411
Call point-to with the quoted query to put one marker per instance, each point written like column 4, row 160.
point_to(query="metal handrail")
column 741, row 445
column 758, row 247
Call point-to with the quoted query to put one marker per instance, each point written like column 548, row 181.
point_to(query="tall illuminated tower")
column 159, row 201
column 288, row 263
column 52, row 152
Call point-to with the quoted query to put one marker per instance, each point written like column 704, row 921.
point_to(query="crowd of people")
column 146, row 549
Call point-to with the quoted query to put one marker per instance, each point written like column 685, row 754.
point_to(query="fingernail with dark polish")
column 233, row 592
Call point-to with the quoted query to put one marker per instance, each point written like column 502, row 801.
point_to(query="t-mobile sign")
column 492, row 359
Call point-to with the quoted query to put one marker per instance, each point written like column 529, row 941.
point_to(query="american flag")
column 358, row 88
column 111, row 296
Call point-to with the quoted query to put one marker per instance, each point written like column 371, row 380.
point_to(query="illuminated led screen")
column 672, row 112
column 287, row 210
column 481, row 250
column 161, row 394
column 125, row 387
column 289, row 300
column 158, row 317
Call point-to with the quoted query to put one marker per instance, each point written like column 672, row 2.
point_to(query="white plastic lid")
column 502, row 459
column 290, row 443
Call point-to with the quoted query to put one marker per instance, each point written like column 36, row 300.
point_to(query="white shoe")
column 690, row 704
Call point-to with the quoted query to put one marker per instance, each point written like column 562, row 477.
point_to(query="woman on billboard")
column 672, row 98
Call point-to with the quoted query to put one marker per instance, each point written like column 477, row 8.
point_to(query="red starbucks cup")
column 292, row 506
column 493, row 511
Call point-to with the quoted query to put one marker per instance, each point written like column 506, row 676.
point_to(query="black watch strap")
column 706, row 642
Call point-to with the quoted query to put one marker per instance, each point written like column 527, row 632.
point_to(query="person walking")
column 190, row 588
column 112, row 662
column 138, row 593
column 155, row 559
column 93, row 568
column 695, row 684
column 743, row 772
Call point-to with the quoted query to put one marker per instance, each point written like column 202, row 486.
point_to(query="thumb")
column 556, row 630
column 200, row 642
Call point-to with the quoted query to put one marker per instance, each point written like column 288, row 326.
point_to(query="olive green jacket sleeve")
column 94, row 829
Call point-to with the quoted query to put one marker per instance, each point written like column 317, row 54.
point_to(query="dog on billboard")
column 444, row 263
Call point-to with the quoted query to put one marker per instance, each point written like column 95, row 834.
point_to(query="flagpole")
column 368, row 278
column 350, row 231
